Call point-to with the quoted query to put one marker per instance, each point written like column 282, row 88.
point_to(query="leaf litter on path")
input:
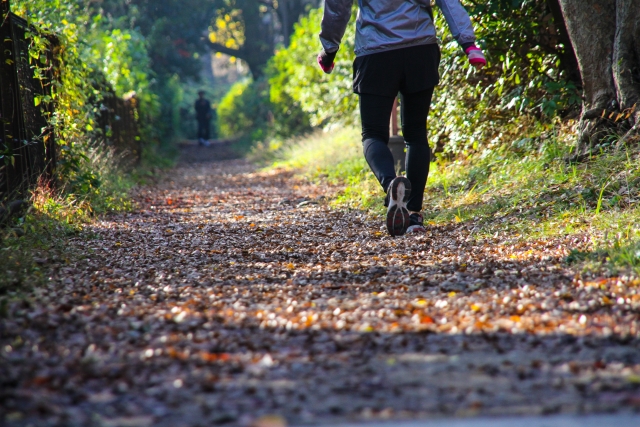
column 238, row 297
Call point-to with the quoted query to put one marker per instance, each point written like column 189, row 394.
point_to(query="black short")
column 407, row 70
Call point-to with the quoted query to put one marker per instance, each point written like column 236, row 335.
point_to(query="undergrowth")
column 525, row 190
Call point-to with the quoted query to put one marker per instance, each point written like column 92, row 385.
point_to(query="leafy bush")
column 251, row 112
column 293, row 73
column 524, row 78
column 295, row 96
column 245, row 111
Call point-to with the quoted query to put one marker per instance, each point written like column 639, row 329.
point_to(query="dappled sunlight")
column 539, row 196
column 227, row 281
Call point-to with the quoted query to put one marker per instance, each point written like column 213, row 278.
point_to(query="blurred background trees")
column 251, row 30
column 181, row 35
column 272, row 88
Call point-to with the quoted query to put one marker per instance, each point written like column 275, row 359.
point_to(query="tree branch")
column 238, row 53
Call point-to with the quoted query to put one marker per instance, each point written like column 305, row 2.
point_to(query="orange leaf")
column 427, row 320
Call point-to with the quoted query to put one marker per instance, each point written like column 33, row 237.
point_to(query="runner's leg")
column 414, row 129
column 375, row 112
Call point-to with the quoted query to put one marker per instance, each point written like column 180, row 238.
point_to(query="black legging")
column 375, row 111
column 204, row 128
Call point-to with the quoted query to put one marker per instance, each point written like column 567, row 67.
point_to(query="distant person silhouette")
column 203, row 116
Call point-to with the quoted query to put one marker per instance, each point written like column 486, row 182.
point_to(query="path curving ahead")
column 233, row 293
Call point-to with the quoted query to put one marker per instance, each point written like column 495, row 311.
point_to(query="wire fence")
column 118, row 120
column 27, row 141
column 28, row 149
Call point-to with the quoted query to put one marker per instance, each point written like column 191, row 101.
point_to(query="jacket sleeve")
column 334, row 23
column 458, row 21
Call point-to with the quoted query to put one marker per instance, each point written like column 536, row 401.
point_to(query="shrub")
column 245, row 111
column 91, row 51
column 293, row 73
column 248, row 112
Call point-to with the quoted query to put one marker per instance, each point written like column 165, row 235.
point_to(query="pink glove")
column 476, row 57
column 325, row 61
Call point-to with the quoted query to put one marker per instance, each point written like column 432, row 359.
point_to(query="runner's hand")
column 325, row 60
column 476, row 57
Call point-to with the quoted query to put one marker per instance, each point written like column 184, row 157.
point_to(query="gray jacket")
column 392, row 24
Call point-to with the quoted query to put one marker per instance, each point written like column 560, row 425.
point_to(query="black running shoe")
column 397, row 213
column 416, row 223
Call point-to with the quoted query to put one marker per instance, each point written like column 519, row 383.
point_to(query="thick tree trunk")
column 592, row 25
column 626, row 57
column 604, row 35
column 285, row 20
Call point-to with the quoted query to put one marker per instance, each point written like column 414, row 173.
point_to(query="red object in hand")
column 476, row 57
column 325, row 61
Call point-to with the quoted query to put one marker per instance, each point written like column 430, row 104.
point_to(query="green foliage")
column 90, row 52
column 534, row 194
column 172, row 29
column 171, row 94
column 293, row 72
column 295, row 95
column 245, row 111
column 524, row 77
column 173, row 33
column 251, row 112
column 471, row 110
column 121, row 56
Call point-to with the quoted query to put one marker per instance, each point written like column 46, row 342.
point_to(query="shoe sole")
column 397, row 214
column 416, row 229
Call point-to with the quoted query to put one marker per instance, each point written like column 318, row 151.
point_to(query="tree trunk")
column 626, row 57
column 289, row 12
column 604, row 35
column 285, row 20
column 258, row 39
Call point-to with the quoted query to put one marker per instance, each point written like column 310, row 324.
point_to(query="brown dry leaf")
column 270, row 421
column 246, row 293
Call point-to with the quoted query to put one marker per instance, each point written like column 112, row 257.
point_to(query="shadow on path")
column 233, row 293
column 220, row 150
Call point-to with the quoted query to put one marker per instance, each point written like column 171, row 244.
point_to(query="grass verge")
column 524, row 191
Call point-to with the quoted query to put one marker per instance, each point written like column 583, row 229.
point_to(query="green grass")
column 538, row 195
column 526, row 191
column 335, row 157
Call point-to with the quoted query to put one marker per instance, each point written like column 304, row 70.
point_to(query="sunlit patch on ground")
column 231, row 294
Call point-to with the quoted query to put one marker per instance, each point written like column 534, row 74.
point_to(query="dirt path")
column 233, row 293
